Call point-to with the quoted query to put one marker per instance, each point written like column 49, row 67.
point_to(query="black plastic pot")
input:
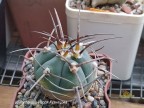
column 2, row 33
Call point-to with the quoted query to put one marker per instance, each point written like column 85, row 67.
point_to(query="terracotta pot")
column 107, row 60
column 33, row 15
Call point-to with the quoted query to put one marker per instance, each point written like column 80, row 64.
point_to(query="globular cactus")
column 66, row 66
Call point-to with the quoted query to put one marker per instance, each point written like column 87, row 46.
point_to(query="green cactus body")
column 61, row 68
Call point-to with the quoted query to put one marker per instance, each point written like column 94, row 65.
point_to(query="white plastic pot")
column 120, row 25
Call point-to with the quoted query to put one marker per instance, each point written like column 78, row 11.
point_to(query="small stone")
column 91, row 89
column 24, row 98
column 25, row 85
column 16, row 106
column 96, row 87
column 100, row 73
column 33, row 102
column 78, row 4
column 38, row 106
column 105, row 80
column 102, row 103
column 101, row 92
column 22, row 105
column 102, row 63
column 126, row 9
column 33, row 94
column 30, row 65
column 37, row 87
column 88, row 105
column 23, row 91
column 27, row 93
column 83, row 103
column 87, row 94
column 94, row 93
column 103, row 67
column 18, row 102
column 97, row 97
column 19, row 93
column 19, row 96
column 28, row 78
column 116, row 6
column 30, row 84
column 136, row 6
column 94, row 104
column 31, row 70
column 40, row 101
column 90, row 98
column 72, row 4
column 32, row 76
column 98, row 106
column 87, row 2
column 112, row 9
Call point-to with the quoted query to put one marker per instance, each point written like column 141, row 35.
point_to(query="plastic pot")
column 33, row 15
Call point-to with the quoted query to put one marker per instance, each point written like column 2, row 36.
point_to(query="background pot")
column 107, row 60
column 127, row 26
column 33, row 15
column 2, row 34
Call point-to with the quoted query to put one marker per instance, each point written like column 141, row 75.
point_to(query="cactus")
column 101, row 2
column 67, row 66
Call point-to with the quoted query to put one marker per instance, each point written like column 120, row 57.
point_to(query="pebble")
column 103, row 67
column 83, row 103
column 31, row 70
column 99, row 73
column 29, row 84
column 16, row 106
column 102, row 103
column 27, row 93
column 19, row 93
column 126, row 9
column 28, row 78
column 33, row 77
column 23, row 91
column 94, row 104
column 38, row 106
column 33, row 102
column 87, row 2
column 21, row 106
column 88, row 105
column 98, row 106
column 32, row 95
column 92, row 89
column 90, row 98
column 93, row 94
column 18, row 102
column 105, row 80
column 97, row 98
column 25, row 85
column 37, row 87
column 101, row 92
column 19, row 96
